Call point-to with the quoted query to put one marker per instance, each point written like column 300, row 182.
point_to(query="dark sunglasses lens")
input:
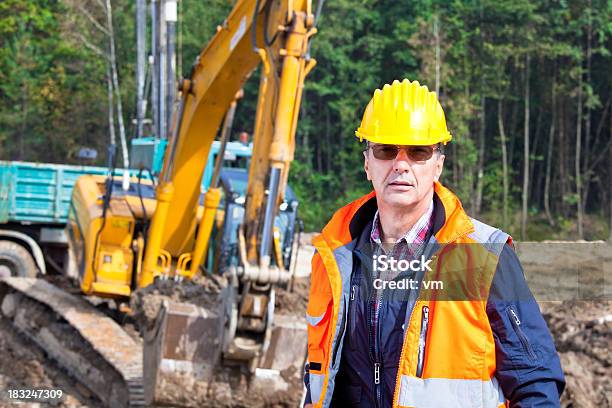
column 415, row 153
column 385, row 152
column 420, row 153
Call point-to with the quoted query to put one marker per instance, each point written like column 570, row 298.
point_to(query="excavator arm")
column 275, row 34
column 241, row 328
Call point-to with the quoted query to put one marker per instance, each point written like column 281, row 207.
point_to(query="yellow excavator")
column 117, row 251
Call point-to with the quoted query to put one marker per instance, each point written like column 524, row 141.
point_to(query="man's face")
column 408, row 178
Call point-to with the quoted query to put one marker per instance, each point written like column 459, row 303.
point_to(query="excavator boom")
column 276, row 34
column 239, row 327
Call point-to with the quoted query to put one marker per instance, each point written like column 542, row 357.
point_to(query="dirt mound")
column 569, row 281
column 235, row 388
column 232, row 387
column 293, row 300
column 235, row 385
column 559, row 271
column 201, row 291
column 581, row 330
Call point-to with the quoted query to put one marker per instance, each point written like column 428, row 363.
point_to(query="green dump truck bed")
column 38, row 192
column 41, row 192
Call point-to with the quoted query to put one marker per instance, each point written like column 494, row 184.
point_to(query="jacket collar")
column 451, row 221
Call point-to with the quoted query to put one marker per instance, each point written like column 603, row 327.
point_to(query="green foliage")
column 48, row 103
column 310, row 188
column 199, row 22
column 53, row 91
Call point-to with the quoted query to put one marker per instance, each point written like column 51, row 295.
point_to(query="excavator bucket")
column 284, row 358
column 180, row 352
column 184, row 363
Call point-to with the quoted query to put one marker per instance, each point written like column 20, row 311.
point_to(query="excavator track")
column 89, row 345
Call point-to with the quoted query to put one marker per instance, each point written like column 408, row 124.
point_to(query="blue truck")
column 35, row 201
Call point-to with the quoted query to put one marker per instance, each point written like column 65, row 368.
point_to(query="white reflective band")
column 316, row 387
column 314, row 320
column 492, row 238
column 446, row 392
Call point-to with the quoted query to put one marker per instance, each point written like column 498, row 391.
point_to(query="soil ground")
column 231, row 386
column 581, row 330
column 570, row 280
column 25, row 366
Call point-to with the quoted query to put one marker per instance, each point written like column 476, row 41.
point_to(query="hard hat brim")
column 419, row 139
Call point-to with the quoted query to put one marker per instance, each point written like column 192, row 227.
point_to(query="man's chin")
column 401, row 199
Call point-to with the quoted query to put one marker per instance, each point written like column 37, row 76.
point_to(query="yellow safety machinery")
column 117, row 252
column 106, row 233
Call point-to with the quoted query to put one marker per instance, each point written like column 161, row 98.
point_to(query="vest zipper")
column 516, row 324
column 374, row 346
column 377, row 363
column 422, row 340
column 352, row 318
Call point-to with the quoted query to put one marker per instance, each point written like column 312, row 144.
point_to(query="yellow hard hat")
column 404, row 113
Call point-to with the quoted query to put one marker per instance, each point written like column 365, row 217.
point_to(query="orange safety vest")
column 459, row 360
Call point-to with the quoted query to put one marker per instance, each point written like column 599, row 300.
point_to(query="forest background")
column 526, row 86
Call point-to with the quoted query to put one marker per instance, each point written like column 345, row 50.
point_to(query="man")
column 482, row 343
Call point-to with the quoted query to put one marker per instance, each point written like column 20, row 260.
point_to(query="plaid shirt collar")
column 416, row 234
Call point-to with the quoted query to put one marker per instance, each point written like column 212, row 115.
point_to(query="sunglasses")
column 414, row 153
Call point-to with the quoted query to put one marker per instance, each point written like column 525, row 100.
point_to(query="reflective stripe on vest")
column 490, row 237
column 314, row 320
column 446, row 392
column 316, row 386
column 343, row 257
column 341, row 260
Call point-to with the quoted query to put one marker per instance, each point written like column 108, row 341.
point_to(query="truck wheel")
column 15, row 260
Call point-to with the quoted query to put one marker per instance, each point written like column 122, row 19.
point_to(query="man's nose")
column 401, row 164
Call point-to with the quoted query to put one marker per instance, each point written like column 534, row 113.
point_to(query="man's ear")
column 365, row 165
column 439, row 166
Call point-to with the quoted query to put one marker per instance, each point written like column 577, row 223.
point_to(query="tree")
column 55, row 72
column 100, row 30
